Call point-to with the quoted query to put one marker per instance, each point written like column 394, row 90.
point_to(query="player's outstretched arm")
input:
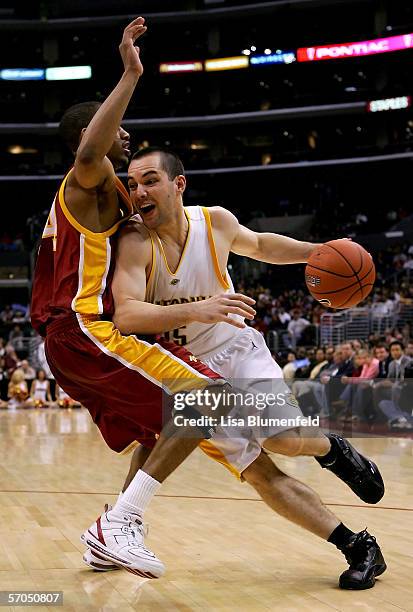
column 91, row 165
column 135, row 316
column 268, row 247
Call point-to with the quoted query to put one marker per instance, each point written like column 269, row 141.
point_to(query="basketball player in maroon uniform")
column 118, row 378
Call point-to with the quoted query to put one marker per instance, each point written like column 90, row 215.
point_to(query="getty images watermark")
column 243, row 409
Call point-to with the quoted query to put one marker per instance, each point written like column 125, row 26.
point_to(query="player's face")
column 153, row 194
column 119, row 153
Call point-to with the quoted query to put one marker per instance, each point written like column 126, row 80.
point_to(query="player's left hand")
column 129, row 53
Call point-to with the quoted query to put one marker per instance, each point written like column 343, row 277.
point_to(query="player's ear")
column 180, row 183
column 81, row 134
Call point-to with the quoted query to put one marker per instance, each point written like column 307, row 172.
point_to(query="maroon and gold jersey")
column 74, row 266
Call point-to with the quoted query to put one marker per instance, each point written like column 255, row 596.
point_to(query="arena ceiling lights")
column 279, row 57
column 304, row 54
column 174, row 67
column 356, row 49
column 62, row 73
column 227, row 63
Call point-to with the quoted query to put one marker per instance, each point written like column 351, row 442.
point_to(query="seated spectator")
column 63, row 400
column 10, row 359
column 16, row 338
column 397, row 413
column 303, row 389
column 40, row 391
column 331, row 387
column 382, row 354
column 296, row 327
column 17, row 391
column 289, row 368
column 29, row 372
column 6, row 315
column 369, row 368
column 354, row 395
column 409, row 349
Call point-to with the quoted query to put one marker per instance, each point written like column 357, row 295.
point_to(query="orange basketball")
column 340, row 274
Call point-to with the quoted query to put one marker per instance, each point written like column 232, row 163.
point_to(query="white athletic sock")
column 137, row 496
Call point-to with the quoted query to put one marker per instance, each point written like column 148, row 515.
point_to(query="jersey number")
column 175, row 336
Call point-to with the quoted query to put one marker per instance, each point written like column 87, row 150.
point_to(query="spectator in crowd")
column 3, row 379
column 6, row 315
column 296, row 327
column 409, row 349
column 64, row 400
column 10, row 359
column 289, row 368
column 40, row 390
column 16, row 338
column 2, row 347
column 303, row 389
column 356, row 345
column 280, row 319
column 399, row 361
column 383, row 356
column 29, row 372
column 17, row 391
column 331, row 378
column 357, row 387
column 398, row 409
column 41, row 358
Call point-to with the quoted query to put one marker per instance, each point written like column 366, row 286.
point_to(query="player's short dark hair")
column 396, row 343
column 170, row 161
column 74, row 120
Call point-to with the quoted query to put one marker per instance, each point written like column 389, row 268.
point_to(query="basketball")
column 340, row 274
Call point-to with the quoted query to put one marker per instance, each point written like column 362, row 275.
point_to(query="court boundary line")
column 210, row 497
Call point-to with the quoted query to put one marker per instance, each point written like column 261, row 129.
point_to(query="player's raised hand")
column 130, row 53
column 218, row 308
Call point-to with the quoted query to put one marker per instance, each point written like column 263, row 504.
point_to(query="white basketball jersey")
column 197, row 277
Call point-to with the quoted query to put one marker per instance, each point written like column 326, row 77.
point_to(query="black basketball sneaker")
column 366, row 562
column 359, row 473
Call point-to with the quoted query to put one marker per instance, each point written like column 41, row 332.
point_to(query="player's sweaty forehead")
column 145, row 166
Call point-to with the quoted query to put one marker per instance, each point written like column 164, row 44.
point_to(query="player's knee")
column 262, row 473
column 289, row 443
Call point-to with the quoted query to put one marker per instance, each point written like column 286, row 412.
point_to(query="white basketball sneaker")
column 98, row 563
column 119, row 539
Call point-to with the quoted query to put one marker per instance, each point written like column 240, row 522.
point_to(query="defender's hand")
column 217, row 308
column 128, row 51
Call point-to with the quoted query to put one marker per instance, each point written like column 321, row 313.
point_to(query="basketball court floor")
column 223, row 548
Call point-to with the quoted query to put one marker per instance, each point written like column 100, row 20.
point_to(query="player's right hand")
column 218, row 308
column 130, row 53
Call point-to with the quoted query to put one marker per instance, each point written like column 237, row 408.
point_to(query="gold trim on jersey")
column 129, row 448
column 214, row 453
column 94, row 263
column 84, row 230
column 152, row 361
column 153, row 262
column 223, row 280
column 183, row 250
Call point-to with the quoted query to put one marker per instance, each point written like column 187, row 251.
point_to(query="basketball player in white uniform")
column 171, row 279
